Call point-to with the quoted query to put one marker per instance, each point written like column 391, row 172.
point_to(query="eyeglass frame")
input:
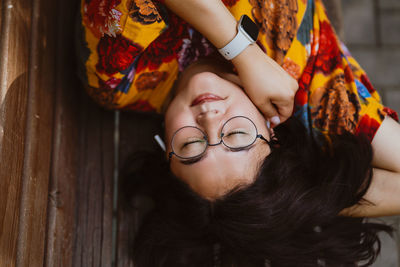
column 170, row 154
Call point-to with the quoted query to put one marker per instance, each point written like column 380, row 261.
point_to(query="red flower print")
column 166, row 47
column 140, row 105
column 101, row 17
column 368, row 127
column 301, row 97
column 306, row 76
column 329, row 56
column 367, row 83
column 390, row 112
column 110, row 84
column 229, row 2
column 193, row 48
column 116, row 54
column 348, row 74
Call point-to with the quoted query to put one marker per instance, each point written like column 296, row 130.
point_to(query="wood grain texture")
column 62, row 205
column 11, row 166
column 15, row 30
column 93, row 230
column 81, row 186
column 39, row 129
column 27, row 91
column 50, row 132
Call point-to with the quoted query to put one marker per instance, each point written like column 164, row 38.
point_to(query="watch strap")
column 236, row 46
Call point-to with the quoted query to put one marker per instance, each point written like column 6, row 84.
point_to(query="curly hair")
column 289, row 216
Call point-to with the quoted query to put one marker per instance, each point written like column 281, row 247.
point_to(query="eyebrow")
column 198, row 159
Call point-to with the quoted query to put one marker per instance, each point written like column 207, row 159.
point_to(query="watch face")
column 250, row 27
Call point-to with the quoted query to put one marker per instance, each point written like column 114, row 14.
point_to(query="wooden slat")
column 136, row 134
column 27, row 91
column 62, row 205
column 11, row 166
column 14, row 68
column 39, row 129
column 94, row 188
column 80, row 207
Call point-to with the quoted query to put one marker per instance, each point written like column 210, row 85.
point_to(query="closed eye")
column 197, row 159
column 192, row 142
column 236, row 132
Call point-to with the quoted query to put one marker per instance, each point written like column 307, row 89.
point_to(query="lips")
column 205, row 98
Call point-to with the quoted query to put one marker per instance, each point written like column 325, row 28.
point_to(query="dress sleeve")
column 335, row 94
column 115, row 34
column 372, row 111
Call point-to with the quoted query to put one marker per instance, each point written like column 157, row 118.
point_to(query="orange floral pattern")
column 338, row 108
column 143, row 11
column 149, row 80
column 277, row 19
column 292, row 68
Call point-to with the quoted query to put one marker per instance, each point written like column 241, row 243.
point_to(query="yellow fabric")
column 137, row 49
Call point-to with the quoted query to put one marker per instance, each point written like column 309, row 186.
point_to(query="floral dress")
column 132, row 51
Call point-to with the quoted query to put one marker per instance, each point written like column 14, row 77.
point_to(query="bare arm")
column 384, row 191
column 266, row 83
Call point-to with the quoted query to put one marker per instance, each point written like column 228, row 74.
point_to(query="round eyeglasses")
column 237, row 133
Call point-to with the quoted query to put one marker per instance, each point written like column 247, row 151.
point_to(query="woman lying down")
column 276, row 144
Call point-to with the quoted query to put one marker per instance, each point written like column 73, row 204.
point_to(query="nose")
column 210, row 121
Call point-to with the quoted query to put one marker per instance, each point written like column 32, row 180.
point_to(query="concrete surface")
column 372, row 34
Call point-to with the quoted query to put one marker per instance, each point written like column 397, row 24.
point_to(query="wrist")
column 245, row 60
column 220, row 26
column 247, row 34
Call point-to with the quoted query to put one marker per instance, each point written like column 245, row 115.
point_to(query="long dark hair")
column 289, row 216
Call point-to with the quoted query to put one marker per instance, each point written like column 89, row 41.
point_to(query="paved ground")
column 372, row 33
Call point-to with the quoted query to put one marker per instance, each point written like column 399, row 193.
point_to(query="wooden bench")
column 60, row 154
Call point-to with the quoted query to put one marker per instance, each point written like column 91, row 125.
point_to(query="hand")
column 269, row 86
column 266, row 83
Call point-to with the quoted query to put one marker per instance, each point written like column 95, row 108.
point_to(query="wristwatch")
column 247, row 34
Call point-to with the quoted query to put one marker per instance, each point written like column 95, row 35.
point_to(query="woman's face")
column 206, row 100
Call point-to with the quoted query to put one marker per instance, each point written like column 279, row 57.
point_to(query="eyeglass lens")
column 237, row 132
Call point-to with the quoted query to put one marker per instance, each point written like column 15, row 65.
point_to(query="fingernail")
column 268, row 124
column 275, row 120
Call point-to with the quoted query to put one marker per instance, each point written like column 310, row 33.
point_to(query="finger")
column 285, row 112
column 271, row 113
column 275, row 121
column 285, row 108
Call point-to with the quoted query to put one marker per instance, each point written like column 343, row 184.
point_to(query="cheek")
column 242, row 105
